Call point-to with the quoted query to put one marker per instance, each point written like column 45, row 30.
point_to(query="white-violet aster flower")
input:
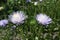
column 17, row 17
column 3, row 22
column 43, row 19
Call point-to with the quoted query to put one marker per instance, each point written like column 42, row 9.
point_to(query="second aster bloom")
column 17, row 17
column 43, row 19
column 3, row 22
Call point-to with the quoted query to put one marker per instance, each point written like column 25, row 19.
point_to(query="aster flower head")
column 17, row 17
column 43, row 19
column 3, row 22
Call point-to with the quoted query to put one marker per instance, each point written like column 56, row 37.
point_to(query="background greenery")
column 31, row 30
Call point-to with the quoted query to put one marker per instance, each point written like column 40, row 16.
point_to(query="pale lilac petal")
column 3, row 22
column 17, row 17
column 43, row 19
